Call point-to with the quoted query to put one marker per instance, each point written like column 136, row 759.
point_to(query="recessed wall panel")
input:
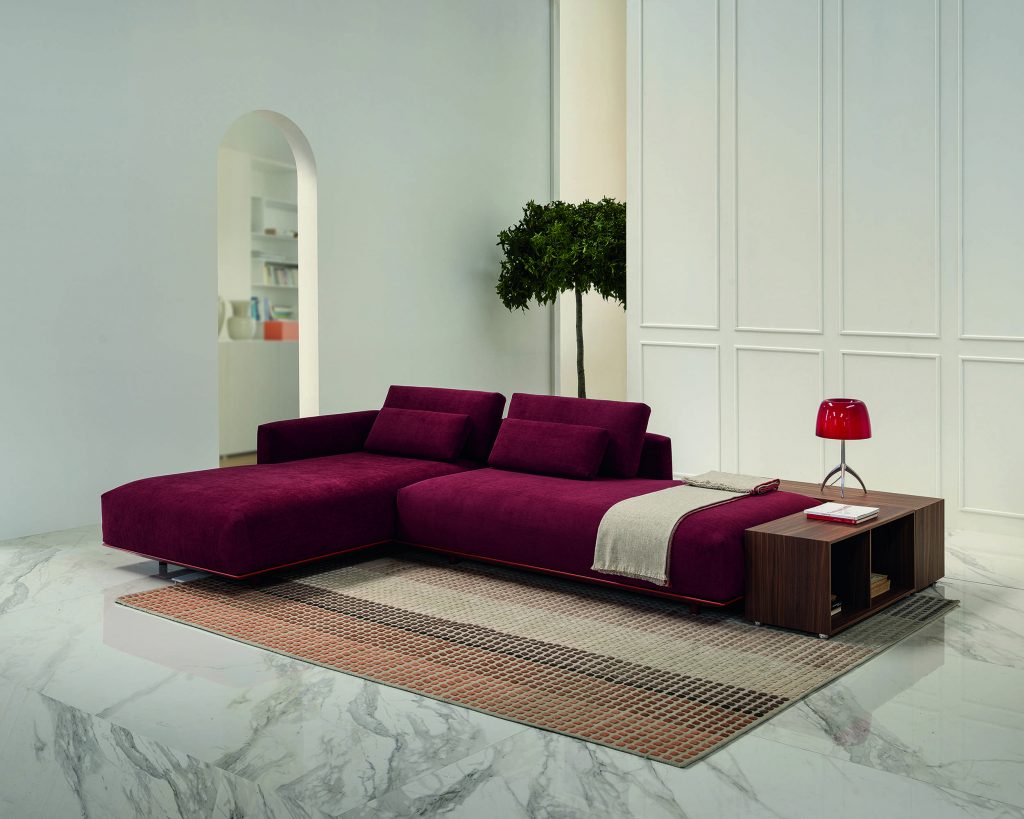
column 902, row 395
column 993, row 435
column 869, row 160
column 680, row 383
column 680, row 164
column 993, row 169
column 778, row 161
column 889, row 172
column 777, row 398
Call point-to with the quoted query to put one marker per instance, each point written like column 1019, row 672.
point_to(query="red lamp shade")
column 844, row 419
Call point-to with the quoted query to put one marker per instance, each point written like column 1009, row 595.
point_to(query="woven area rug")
column 623, row 670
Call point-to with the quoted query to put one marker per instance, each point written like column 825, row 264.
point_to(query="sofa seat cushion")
column 247, row 519
column 547, row 448
column 551, row 523
column 626, row 422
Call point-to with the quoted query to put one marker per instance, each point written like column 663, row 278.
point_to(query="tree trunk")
column 581, row 378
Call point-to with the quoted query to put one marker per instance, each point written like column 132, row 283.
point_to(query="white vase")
column 241, row 326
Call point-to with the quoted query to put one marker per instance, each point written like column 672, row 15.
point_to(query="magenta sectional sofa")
column 438, row 469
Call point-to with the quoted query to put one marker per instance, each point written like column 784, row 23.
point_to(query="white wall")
column 234, row 225
column 825, row 200
column 592, row 165
column 255, row 135
column 430, row 123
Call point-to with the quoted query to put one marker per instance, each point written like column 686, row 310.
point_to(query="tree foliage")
column 559, row 247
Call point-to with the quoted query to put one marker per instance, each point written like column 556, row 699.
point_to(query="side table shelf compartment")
column 850, row 576
column 887, row 549
column 892, row 554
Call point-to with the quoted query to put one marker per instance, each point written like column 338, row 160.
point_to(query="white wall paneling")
column 778, row 145
column 866, row 187
column 234, row 224
column 889, row 174
column 991, row 170
column 778, row 390
column 682, row 384
column 991, row 435
column 905, row 448
column 679, row 206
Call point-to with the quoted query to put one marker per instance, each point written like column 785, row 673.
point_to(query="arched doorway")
column 266, row 277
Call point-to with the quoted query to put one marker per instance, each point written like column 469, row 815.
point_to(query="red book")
column 841, row 513
column 835, row 519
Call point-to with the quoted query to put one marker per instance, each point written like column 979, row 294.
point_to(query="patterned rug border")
column 941, row 611
column 938, row 614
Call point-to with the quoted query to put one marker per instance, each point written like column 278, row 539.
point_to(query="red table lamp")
column 843, row 419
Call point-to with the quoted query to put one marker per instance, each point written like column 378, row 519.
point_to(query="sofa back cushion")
column 433, row 436
column 548, row 448
column 625, row 421
column 483, row 408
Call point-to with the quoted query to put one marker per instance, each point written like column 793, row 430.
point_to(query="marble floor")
column 108, row 712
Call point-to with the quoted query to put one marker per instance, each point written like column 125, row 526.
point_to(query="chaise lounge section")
column 316, row 491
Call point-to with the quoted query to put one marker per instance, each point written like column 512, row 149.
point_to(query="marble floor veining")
column 108, row 712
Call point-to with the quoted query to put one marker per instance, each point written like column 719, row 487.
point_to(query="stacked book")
column 842, row 512
column 837, row 605
column 282, row 275
column 880, row 584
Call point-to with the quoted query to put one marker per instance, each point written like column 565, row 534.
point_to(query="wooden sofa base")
column 695, row 603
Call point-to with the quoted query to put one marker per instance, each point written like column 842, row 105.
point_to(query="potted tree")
column 560, row 247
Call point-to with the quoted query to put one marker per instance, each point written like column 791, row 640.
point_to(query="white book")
column 844, row 512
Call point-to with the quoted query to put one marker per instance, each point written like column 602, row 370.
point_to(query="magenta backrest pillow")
column 435, row 436
column 547, row 448
column 625, row 421
column 483, row 408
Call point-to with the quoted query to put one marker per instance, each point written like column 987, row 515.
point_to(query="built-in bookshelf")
column 274, row 239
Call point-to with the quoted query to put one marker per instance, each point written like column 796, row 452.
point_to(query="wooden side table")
column 794, row 565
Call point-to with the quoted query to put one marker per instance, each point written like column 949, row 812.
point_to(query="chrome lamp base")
column 841, row 470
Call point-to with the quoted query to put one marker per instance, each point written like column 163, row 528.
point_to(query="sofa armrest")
column 656, row 457
column 313, row 437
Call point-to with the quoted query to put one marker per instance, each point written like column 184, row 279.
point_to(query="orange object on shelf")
column 280, row 331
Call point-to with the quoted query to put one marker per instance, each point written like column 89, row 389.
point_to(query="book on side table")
column 842, row 512
column 880, row 584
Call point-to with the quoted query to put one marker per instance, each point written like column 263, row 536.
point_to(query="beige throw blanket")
column 732, row 482
column 634, row 538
